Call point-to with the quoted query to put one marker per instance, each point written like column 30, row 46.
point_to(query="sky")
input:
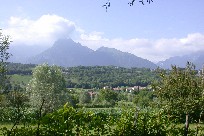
column 155, row 31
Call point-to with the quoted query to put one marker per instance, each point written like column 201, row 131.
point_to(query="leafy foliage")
column 100, row 76
column 181, row 91
column 20, row 69
column 47, row 86
column 84, row 97
column 4, row 55
column 48, row 83
column 88, row 77
column 108, row 97
column 70, row 121
column 144, row 98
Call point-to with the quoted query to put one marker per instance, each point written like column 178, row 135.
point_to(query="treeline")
column 88, row 77
column 21, row 69
column 99, row 76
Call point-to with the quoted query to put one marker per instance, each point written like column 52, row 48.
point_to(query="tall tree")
column 181, row 92
column 47, row 88
column 4, row 55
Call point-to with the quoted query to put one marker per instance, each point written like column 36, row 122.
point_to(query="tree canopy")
column 47, row 87
column 181, row 93
column 182, row 89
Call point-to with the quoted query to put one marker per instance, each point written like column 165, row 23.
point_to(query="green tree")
column 143, row 98
column 84, row 97
column 4, row 55
column 17, row 105
column 181, row 92
column 47, row 88
column 108, row 97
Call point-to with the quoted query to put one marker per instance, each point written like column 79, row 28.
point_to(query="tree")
column 181, row 92
column 17, row 103
column 84, row 97
column 108, row 97
column 143, row 98
column 46, row 89
column 4, row 55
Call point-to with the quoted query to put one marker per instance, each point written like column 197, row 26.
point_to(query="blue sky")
column 153, row 31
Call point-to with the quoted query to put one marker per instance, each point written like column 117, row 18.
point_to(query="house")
column 135, row 88
column 106, row 87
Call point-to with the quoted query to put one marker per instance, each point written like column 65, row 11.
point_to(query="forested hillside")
column 21, row 69
column 100, row 76
column 92, row 76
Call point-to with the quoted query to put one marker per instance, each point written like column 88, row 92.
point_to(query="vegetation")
column 4, row 55
column 89, row 77
column 181, row 93
column 156, row 110
column 19, row 69
column 70, row 121
column 100, row 76
column 47, row 88
column 102, row 101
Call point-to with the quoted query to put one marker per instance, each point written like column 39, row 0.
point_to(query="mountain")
column 196, row 58
column 64, row 52
column 111, row 56
column 67, row 53
column 21, row 52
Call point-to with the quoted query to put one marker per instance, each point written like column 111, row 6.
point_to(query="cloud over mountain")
column 48, row 28
column 44, row 30
column 154, row 50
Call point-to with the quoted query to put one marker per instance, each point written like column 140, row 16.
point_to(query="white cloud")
column 153, row 50
column 93, row 40
column 48, row 28
column 44, row 30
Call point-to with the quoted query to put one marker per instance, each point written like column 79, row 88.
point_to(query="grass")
column 21, row 78
column 191, row 126
column 9, row 127
column 106, row 110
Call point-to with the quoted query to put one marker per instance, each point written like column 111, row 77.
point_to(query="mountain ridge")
column 67, row 53
column 197, row 58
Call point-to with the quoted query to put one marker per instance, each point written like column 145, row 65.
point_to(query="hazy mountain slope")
column 111, row 56
column 65, row 52
column 20, row 53
column 196, row 58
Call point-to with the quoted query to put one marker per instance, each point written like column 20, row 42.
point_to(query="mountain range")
column 196, row 58
column 67, row 53
column 21, row 52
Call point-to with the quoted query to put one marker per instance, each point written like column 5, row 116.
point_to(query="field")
column 16, row 78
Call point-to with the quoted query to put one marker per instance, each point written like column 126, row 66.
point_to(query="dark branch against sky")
column 107, row 4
